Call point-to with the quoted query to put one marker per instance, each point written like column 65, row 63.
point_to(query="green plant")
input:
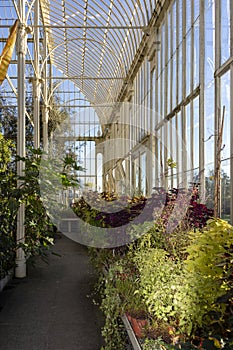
column 113, row 330
column 156, row 344
column 38, row 227
column 118, row 297
column 182, row 282
column 149, row 234
column 101, row 258
column 159, row 278
column 159, row 329
column 127, row 286
column 204, row 280
column 8, row 208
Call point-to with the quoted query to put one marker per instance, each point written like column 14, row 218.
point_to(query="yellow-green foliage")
column 159, row 277
column 209, row 248
column 209, row 259
column 5, row 153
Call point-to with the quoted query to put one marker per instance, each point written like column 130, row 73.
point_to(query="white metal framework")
column 95, row 42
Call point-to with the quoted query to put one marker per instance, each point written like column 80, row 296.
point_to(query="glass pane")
column 99, row 172
column 225, row 30
column 225, row 146
column 168, row 35
column 142, row 85
column 162, row 94
column 209, row 126
column 179, row 144
column 174, row 142
column 180, row 75
column 136, row 176
column 159, row 99
column 159, row 63
column 188, row 64
column 225, row 190
column 143, row 173
column 174, row 26
column 153, row 99
column 188, row 15
column 209, row 186
column 168, row 86
column 188, row 137
column 209, row 43
column 174, row 87
column 196, row 57
column 196, row 133
column 159, row 162
column 225, row 101
column 163, row 47
column 196, row 9
column 180, row 20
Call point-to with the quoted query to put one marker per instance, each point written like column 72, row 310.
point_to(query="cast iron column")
column 20, row 270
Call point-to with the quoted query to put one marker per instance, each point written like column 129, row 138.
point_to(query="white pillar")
column 45, row 91
column 36, row 82
column 202, row 101
column 217, row 98
column 20, row 270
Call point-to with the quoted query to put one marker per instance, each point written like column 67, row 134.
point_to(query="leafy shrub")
column 8, row 208
column 113, row 290
column 38, row 228
column 156, row 344
column 204, row 280
column 159, row 278
column 147, row 235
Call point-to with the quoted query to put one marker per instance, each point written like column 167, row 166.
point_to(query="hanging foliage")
column 7, row 52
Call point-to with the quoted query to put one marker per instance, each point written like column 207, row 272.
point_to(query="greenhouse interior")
column 115, row 174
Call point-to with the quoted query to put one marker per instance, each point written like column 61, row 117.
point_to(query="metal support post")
column 202, row 101
column 45, row 90
column 20, row 270
column 217, row 98
column 36, row 82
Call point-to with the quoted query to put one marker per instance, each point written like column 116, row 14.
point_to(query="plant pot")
column 128, row 316
column 138, row 326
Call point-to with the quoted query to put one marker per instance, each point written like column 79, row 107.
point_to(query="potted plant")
column 133, row 305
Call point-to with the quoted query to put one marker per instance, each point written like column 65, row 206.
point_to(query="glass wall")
column 225, row 145
column 192, row 76
column 177, row 86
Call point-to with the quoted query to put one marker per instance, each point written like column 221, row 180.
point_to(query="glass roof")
column 94, row 42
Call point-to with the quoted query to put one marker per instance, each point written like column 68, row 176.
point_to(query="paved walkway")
column 50, row 310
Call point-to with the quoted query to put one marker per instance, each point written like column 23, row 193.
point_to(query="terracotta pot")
column 129, row 317
column 138, row 326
